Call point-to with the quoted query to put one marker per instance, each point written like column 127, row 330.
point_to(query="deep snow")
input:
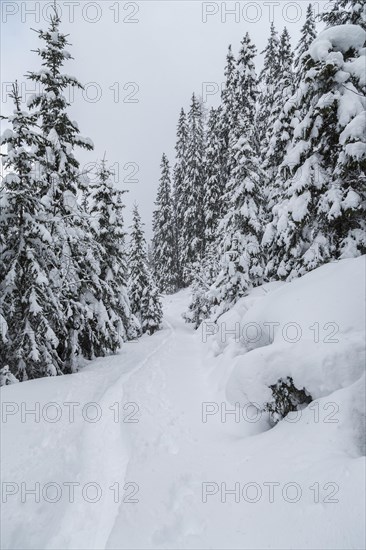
column 298, row 485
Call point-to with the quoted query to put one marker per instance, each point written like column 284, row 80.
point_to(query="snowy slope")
column 298, row 485
column 312, row 329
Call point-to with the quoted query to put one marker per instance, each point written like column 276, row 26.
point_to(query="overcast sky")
column 141, row 61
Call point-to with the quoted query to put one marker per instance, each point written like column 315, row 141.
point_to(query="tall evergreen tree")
column 164, row 243
column 321, row 216
column 228, row 96
column 205, row 271
column 308, row 35
column 115, row 323
column 202, row 300
column 213, row 178
column 268, row 79
column 241, row 265
column 283, row 132
column 279, row 129
column 228, row 114
column 30, row 305
column 280, row 124
column 138, row 275
column 292, row 112
column 178, row 186
column 151, row 307
column 246, row 91
column 192, row 242
column 144, row 298
column 79, row 256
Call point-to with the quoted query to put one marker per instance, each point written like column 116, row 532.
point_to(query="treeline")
column 272, row 183
column 66, row 291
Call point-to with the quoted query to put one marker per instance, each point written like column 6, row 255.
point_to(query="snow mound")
column 312, row 329
column 340, row 38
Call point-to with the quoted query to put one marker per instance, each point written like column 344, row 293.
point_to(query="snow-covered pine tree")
column 223, row 131
column 291, row 113
column 137, row 264
column 322, row 214
column 202, row 300
column 78, row 273
column 204, row 272
column 164, row 242
column 280, row 130
column 115, row 323
column 213, row 178
column 228, row 114
column 268, row 84
column 308, row 34
column 341, row 12
column 279, row 123
column 151, row 307
column 179, row 204
column 246, row 93
column 241, row 265
column 144, row 298
column 192, row 238
column 30, row 305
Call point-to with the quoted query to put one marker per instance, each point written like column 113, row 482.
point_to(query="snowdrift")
column 312, row 329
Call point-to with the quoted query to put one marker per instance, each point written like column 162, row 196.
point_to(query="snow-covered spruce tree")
column 237, row 115
column 341, row 12
column 228, row 117
column 178, row 186
column 137, row 262
column 246, row 91
column 279, row 124
column 322, row 214
column 151, row 307
column 213, row 178
column 204, row 275
column 280, row 130
column 164, row 242
column 240, row 230
column 106, row 219
column 268, row 84
column 144, row 298
column 221, row 137
column 204, row 272
column 192, row 238
column 291, row 113
column 308, row 34
column 78, row 273
column 31, row 307
column 242, row 262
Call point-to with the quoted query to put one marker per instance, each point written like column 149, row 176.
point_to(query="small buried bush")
column 286, row 398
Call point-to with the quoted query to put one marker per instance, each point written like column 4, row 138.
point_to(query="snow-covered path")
column 171, row 447
column 159, row 454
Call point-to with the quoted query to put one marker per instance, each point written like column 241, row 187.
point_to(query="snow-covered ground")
column 173, row 461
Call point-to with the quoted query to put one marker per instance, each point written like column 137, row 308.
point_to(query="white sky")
column 166, row 49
